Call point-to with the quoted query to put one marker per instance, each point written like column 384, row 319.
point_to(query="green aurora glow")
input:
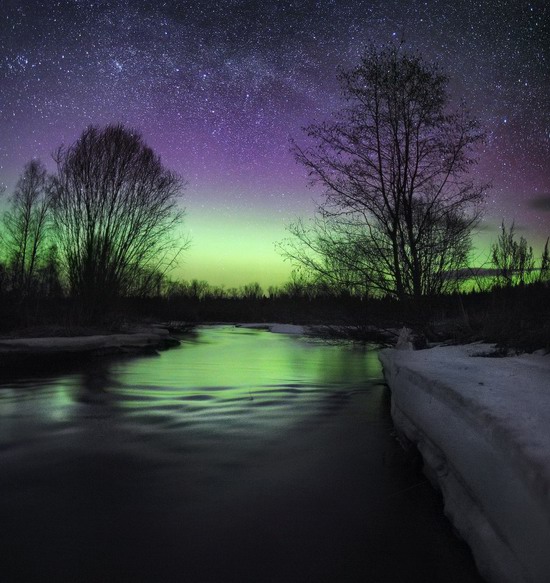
column 232, row 250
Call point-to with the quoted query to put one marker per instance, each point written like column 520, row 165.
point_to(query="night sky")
column 218, row 88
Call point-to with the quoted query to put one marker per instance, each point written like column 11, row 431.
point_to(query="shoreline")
column 18, row 350
column 142, row 340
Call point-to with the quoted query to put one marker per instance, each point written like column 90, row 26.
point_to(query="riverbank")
column 136, row 340
column 481, row 425
column 278, row 328
column 139, row 340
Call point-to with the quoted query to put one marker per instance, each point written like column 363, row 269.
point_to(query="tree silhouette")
column 251, row 291
column 115, row 210
column 398, row 208
column 544, row 272
column 513, row 260
column 25, row 227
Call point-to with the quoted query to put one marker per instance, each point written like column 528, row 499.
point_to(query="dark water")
column 240, row 456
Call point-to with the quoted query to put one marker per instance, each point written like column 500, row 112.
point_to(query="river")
column 239, row 456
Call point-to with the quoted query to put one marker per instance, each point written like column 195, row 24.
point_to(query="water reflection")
column 239, row 456
column 222, row 382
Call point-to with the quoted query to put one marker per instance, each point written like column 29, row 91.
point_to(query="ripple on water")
column 221, row 381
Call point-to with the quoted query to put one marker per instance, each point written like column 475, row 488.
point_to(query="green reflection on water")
column 234, row 359
column 220, row 379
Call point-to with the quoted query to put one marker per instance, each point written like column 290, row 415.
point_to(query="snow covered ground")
column 137, row 340
column 278, row 328
column 482, row 426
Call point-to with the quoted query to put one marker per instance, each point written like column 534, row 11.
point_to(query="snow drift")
column 137, row 340
column 482, row 426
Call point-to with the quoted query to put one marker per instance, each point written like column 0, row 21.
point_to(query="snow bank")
column 138, row 340
column 482, row 426
column 277, row 328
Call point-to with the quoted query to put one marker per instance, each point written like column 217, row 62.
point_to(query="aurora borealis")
column 218, row 88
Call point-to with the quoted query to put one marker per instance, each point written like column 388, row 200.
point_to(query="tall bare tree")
column 398, row 207
column 115, row 210
column 25, row 226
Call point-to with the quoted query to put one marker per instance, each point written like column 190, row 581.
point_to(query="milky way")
column 217, row 89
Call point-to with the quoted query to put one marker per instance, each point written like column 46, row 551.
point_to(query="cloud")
column 470, row 272
column 540, row 203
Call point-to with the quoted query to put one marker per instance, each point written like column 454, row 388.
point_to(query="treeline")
column 513, row 316
column 294, row 302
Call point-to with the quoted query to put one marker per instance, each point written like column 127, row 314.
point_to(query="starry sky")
column 218, row 88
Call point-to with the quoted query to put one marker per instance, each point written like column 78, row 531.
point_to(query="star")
column 219, row 88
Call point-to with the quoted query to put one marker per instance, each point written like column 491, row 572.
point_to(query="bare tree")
column 48, row 276
column 512, row 259
column 398, row 208
column 25, row 226
column 115, row 210
column 333, row 251
column 251, row 291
